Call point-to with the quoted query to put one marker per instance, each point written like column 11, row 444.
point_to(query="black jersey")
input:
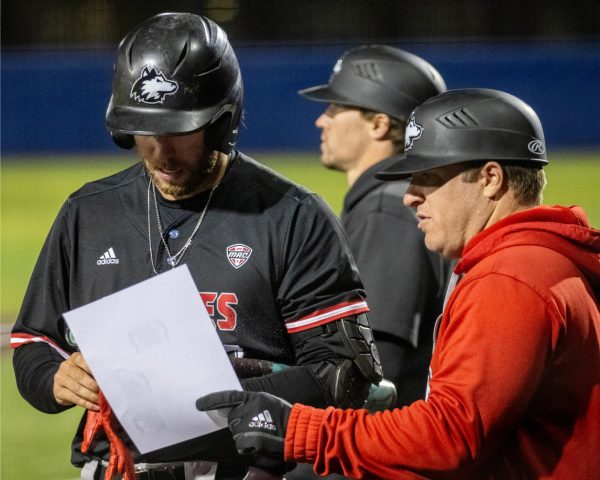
column 269, row 259
column 404, row 281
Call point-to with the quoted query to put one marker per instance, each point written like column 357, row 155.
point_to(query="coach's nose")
column 413, row 197
column 322, row 120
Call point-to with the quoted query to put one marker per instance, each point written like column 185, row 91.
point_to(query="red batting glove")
column 120, row 459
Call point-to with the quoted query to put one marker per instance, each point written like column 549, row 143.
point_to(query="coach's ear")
column 123, row 140
column 493, row 179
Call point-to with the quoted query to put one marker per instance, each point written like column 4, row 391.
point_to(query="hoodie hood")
column 563, row 229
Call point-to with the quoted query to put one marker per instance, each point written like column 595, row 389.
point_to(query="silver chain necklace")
column 172, row 260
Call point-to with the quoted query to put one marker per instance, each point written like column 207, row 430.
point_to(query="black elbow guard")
column 352, row 377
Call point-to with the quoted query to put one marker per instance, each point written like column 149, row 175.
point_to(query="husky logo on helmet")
column 413, row 132
column 152, row 86
column 337, row 68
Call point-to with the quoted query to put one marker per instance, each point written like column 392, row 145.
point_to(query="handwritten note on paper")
column 153, row 350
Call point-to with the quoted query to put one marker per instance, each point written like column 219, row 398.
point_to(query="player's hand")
column 75, row 385
column 257, row 421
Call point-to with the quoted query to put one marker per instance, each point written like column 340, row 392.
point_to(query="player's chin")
column 171, row 188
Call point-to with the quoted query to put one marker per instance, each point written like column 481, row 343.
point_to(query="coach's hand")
column 75, row 385
column 257, row 421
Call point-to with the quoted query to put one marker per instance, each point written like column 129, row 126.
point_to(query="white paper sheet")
column 153, row 350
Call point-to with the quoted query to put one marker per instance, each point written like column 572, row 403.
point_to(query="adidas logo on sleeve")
column 108, row 258
column 263, row 420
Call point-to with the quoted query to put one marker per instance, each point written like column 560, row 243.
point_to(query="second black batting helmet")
column 379, row 78
column 469, row 125
column 176, row 73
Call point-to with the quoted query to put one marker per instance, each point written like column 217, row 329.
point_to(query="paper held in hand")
column 153, row 350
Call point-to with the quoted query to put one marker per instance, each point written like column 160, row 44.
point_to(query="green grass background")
column 37, row 446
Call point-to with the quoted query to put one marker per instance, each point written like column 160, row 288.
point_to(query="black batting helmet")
column 379, row 78
column 176, row 73
column 466, row 126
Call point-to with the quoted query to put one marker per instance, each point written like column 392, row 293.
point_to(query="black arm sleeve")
column 294, row 384
column 39, row 323
column 325, row 364
column 300, row 384
column 35, row 365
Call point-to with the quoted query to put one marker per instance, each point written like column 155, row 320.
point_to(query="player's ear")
column 380, row 126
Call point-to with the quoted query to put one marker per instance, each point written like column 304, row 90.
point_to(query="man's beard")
column 191, row 184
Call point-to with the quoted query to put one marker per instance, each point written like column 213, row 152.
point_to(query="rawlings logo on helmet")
column 537, row 147
column 152, row 86
column 413, row 132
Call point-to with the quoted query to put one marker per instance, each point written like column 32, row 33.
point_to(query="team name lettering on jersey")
column 221, row 304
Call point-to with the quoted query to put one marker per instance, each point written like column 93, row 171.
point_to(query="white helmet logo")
column 338, row 66
column 413, row 132
column 536, row 147
column 152, row 86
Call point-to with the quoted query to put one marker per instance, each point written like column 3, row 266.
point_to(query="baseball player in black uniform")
column 371, row 93
column 269, row 258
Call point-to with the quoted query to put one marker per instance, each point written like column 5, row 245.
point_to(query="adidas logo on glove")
column 262, row 420
column 257, row 420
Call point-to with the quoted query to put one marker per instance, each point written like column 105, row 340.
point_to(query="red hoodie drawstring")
column 120, row 460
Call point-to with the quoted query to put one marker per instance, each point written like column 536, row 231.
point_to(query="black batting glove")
column 257, row 420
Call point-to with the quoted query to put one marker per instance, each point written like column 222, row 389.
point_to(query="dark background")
column 57, row 61
column 101, row 22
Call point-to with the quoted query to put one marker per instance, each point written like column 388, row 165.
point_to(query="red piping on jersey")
column 327, row 315
column 18, row 339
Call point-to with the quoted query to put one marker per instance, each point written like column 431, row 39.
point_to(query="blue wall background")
column 54, row 101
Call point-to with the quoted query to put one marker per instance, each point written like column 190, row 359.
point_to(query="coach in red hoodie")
column 514, row 387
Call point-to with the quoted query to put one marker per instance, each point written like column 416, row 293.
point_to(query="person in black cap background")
column 371, row 93
column 514, row 387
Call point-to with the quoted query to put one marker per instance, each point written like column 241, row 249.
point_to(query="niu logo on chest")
column 238, row 254
column 152, row 86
